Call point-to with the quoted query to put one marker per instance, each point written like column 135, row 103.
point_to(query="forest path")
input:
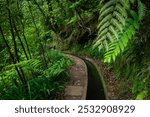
column 78, row 74
column 76, row 88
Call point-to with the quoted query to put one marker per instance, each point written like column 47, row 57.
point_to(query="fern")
column 112, row 19
column 118, row 46
column 117, row 26
column 141, row 9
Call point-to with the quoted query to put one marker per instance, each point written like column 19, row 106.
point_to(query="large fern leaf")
column 117, row 25
column 111, row 21
column 117, row 46
column 132, row 24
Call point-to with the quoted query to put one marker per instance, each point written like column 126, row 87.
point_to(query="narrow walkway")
column 76, row 88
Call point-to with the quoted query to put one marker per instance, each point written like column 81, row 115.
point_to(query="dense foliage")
column 122, row 43
column 29, row 68
column 115, row 31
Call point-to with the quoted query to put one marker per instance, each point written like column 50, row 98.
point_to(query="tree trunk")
column 18, row 35
column 23, row 79
column 19, row 20
column 41, row 48
column 11, row 55
column 25, row 40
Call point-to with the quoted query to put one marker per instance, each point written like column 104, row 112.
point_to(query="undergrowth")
column 45, row 84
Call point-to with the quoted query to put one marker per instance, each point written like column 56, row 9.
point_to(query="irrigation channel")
column 95, row 85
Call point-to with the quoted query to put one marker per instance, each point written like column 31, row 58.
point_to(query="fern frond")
column 141, row 10
column 107, row 5
column 121, row 10
column 111, row 21
column 117, row 25
column 118, row 46
column 106, row 11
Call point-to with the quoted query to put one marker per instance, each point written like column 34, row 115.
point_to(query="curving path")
column 76, row 88
column 86, row 81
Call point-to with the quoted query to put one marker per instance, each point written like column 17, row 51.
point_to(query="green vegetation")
column 119, row 39
column 34, row 34
column 29, row 67
column 118, row 23
column 41, row 83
